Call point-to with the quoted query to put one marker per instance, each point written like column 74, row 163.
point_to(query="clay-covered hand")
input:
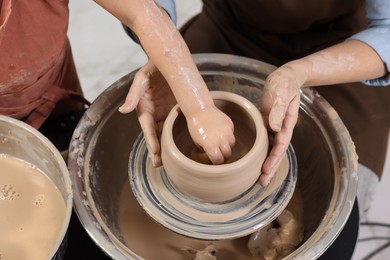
column 280, row 105
column 153, row 99
column 212, row 131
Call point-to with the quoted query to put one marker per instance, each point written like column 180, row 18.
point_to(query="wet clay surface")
column 32, row 211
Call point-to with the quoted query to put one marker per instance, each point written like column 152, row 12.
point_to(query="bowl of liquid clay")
column 35, row 194
column 193, row 197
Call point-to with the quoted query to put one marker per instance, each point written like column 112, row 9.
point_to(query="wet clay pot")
column 194, row 175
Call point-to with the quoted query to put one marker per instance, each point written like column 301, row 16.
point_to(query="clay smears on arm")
column 167, row 50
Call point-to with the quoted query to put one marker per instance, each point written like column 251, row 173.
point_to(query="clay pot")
column 216, row 183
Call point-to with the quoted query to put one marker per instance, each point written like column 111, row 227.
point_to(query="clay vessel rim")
column 249, row 107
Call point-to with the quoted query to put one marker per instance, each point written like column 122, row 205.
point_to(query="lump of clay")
column 208, row 253
column 277, row 240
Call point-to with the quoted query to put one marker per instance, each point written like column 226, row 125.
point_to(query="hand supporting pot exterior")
column 349, row 61
column 152, row 98
column 280, row 106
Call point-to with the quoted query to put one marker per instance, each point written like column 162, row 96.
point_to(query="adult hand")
column 280, row 107
column 152, row 98
column 213, row 131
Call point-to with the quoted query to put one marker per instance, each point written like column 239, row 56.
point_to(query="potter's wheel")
column 209, row 221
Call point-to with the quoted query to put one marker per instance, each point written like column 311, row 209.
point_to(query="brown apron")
column 277, row 31
column 37, row 73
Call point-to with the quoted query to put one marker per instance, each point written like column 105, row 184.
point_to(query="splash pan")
column 188, row 216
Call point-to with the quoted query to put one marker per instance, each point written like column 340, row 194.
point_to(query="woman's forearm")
column 166, row 48
column 349, row 61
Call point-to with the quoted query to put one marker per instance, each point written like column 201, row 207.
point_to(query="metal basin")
column 327, row 162
column 21, row 141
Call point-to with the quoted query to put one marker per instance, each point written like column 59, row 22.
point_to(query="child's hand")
column 213, row 131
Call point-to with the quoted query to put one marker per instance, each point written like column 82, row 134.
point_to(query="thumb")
column 277, row 115
column 137, row 90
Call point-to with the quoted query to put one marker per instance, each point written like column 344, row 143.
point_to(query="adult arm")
column 377, row 35
column 363, row 57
